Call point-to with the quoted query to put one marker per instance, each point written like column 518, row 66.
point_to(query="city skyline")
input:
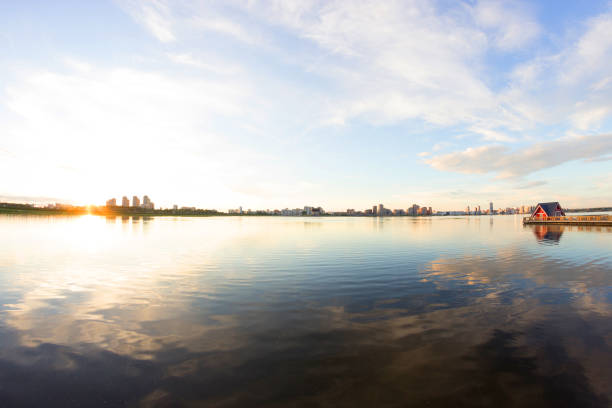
column 377, row 210
column 219, row 104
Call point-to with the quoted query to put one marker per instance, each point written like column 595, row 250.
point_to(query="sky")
column 338, row 103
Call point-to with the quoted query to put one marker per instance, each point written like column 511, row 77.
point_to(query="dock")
column 599, row 220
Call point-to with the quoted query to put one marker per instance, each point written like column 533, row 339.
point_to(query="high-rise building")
column 135, row 201
column 125, row 202
column 374, row 211
column 381, row 209
column 146, row 203
column 467, row 210
column 491, row 207
column 111, row 203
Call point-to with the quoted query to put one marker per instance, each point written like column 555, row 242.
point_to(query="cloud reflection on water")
column 282, row 313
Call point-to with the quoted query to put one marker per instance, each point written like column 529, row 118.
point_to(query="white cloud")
column 570, row 86
column 507, row 163
column 509, row 24
column 225, row 26
column 592, row 52
column 587, row 117
column 490, row 134
column 107, row 128
column 417, row 59
column 532, row 184
column 209, row 64
column 155, row 15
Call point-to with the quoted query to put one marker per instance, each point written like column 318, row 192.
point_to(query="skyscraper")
column 381, row 211
column 491, row 207
column 135, row 201
column 374, row 210
column 146, row 203
column 125, row 202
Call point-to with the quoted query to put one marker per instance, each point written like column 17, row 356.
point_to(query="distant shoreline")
column 28, row 209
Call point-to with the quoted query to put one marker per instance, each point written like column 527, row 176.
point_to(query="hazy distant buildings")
column 125, row 203
column 147, row 203
column 491, row 207
column 381, row 210
column 318, row 211
column 374, row 210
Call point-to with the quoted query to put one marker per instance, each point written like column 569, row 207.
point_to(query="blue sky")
column 273, row 104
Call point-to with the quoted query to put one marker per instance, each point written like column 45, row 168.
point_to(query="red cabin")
column 545, row 210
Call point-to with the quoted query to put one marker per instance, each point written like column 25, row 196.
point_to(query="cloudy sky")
column 273, row 104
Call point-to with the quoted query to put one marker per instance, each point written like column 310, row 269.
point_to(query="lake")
column 313, row 311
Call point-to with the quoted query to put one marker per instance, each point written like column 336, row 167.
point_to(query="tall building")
column 146, row 203
column 381, row 210
column 125, row 202
column 491, row 207
column 135, row 201
column 111, row 203
column 374, row 211
column 467, row 210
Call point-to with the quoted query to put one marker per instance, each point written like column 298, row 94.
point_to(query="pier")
column 600, row 220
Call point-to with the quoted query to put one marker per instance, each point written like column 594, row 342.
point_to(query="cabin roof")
column 549, row 208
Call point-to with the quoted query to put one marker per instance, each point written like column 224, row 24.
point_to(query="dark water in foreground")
column 285, row 312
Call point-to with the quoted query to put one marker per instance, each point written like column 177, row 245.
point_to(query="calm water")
column 284, row 312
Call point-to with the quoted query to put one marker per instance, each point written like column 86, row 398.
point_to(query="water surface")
column 284, row 311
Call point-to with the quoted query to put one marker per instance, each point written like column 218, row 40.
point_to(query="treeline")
column 599, row 209
column 15, row 208
column 144, row 211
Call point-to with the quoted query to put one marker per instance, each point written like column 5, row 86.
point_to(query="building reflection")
column 260, row 316
column 548, row 234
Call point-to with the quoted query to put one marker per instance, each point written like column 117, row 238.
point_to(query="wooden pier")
column 600, row 220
